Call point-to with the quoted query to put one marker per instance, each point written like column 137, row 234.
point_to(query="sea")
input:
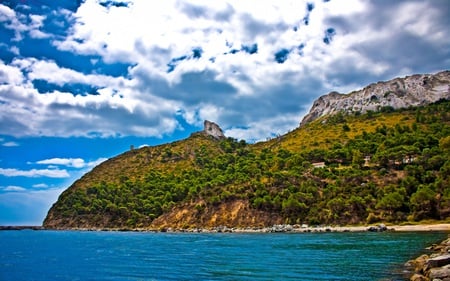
column 99, row 255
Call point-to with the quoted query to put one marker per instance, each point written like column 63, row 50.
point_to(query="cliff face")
column 235, row 213
column 415, row 90
column 212, row 129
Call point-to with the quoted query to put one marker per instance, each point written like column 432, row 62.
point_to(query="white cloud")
column 52, row 73
column 6, row 13
column 40, row 185
column 15, row 50
column 25, row 111
column 71, row 162
column 9, row 18
column 33, row 173
column 35, row 25
column 12, row 188
column 193, row 60
column 22, row 23
column 5, row 143
column 10, row 144
column 422, row 24
column 10, row 75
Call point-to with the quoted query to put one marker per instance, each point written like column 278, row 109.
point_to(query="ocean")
column 83, row 255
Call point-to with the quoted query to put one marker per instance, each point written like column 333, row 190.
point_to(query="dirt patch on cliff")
column 237, row 213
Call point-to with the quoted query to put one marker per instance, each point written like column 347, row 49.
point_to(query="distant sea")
column 76, row 255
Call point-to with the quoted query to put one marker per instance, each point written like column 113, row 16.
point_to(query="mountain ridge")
column 389, row 165
column 414, row 90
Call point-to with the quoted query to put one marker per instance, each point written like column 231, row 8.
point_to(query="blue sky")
column 82, row 81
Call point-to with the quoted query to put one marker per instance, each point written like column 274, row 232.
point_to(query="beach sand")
column 422, row 227
column 404, row 228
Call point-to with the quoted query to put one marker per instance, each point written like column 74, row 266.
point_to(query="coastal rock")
column 415, row 90
column 420, row 263
column 441, row 273
column 418, row 277
column 379, row 228
column 434, row 267
column 439, row 261
column 212, row 129
column 446, row 242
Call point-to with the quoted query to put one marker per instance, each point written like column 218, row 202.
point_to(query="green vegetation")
column 390, row 166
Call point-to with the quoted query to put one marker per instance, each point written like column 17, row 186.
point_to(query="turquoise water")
column 70, row 255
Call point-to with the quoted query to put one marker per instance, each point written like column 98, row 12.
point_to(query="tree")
column 444, row 144
column 423, row 203
column 391, row 202
column 357, row 158
column 345, row 128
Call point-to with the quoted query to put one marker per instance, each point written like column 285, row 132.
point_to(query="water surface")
column 71, row 255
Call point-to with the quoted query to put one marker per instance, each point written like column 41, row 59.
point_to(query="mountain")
column 415, row 90
column 385, row 164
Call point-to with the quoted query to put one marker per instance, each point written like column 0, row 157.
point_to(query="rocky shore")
column 281, row 228
column 21, row 227
column 306, row 228
column 434, row 266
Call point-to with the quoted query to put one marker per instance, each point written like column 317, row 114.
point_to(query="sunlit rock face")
column 415, row 90
column 212, row 129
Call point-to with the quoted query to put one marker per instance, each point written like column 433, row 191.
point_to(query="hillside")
column 391, row 165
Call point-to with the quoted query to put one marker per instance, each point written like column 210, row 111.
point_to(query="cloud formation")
column 33, row 173
column 77, row 163
column 5, row 143
column 12, row 188
column 143, row 66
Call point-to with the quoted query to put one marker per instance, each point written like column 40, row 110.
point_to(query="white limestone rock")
column 415, row 90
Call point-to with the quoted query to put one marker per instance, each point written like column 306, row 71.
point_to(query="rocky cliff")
column 236, row 213
column 212, row 129
column 415, row 90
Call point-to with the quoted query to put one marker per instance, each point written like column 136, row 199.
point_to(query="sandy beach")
column 422, row 227
column 411, row 228
column 403, row 228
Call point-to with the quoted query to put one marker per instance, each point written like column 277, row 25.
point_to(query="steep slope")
column 131, row 170
column 390, row 165
column 415, row 90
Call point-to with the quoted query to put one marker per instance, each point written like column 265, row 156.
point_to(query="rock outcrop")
column 235, row 213
column 415, row 90
column 435, row 266
column 212, row 129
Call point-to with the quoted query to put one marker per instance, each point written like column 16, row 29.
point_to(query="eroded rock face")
column 212, row 129
column 236, row 213
column 415, row 90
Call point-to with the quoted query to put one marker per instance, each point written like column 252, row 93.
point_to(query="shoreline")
column 282, row 228
column 442, row 227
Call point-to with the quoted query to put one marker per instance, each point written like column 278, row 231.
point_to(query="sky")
column 83, row 81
